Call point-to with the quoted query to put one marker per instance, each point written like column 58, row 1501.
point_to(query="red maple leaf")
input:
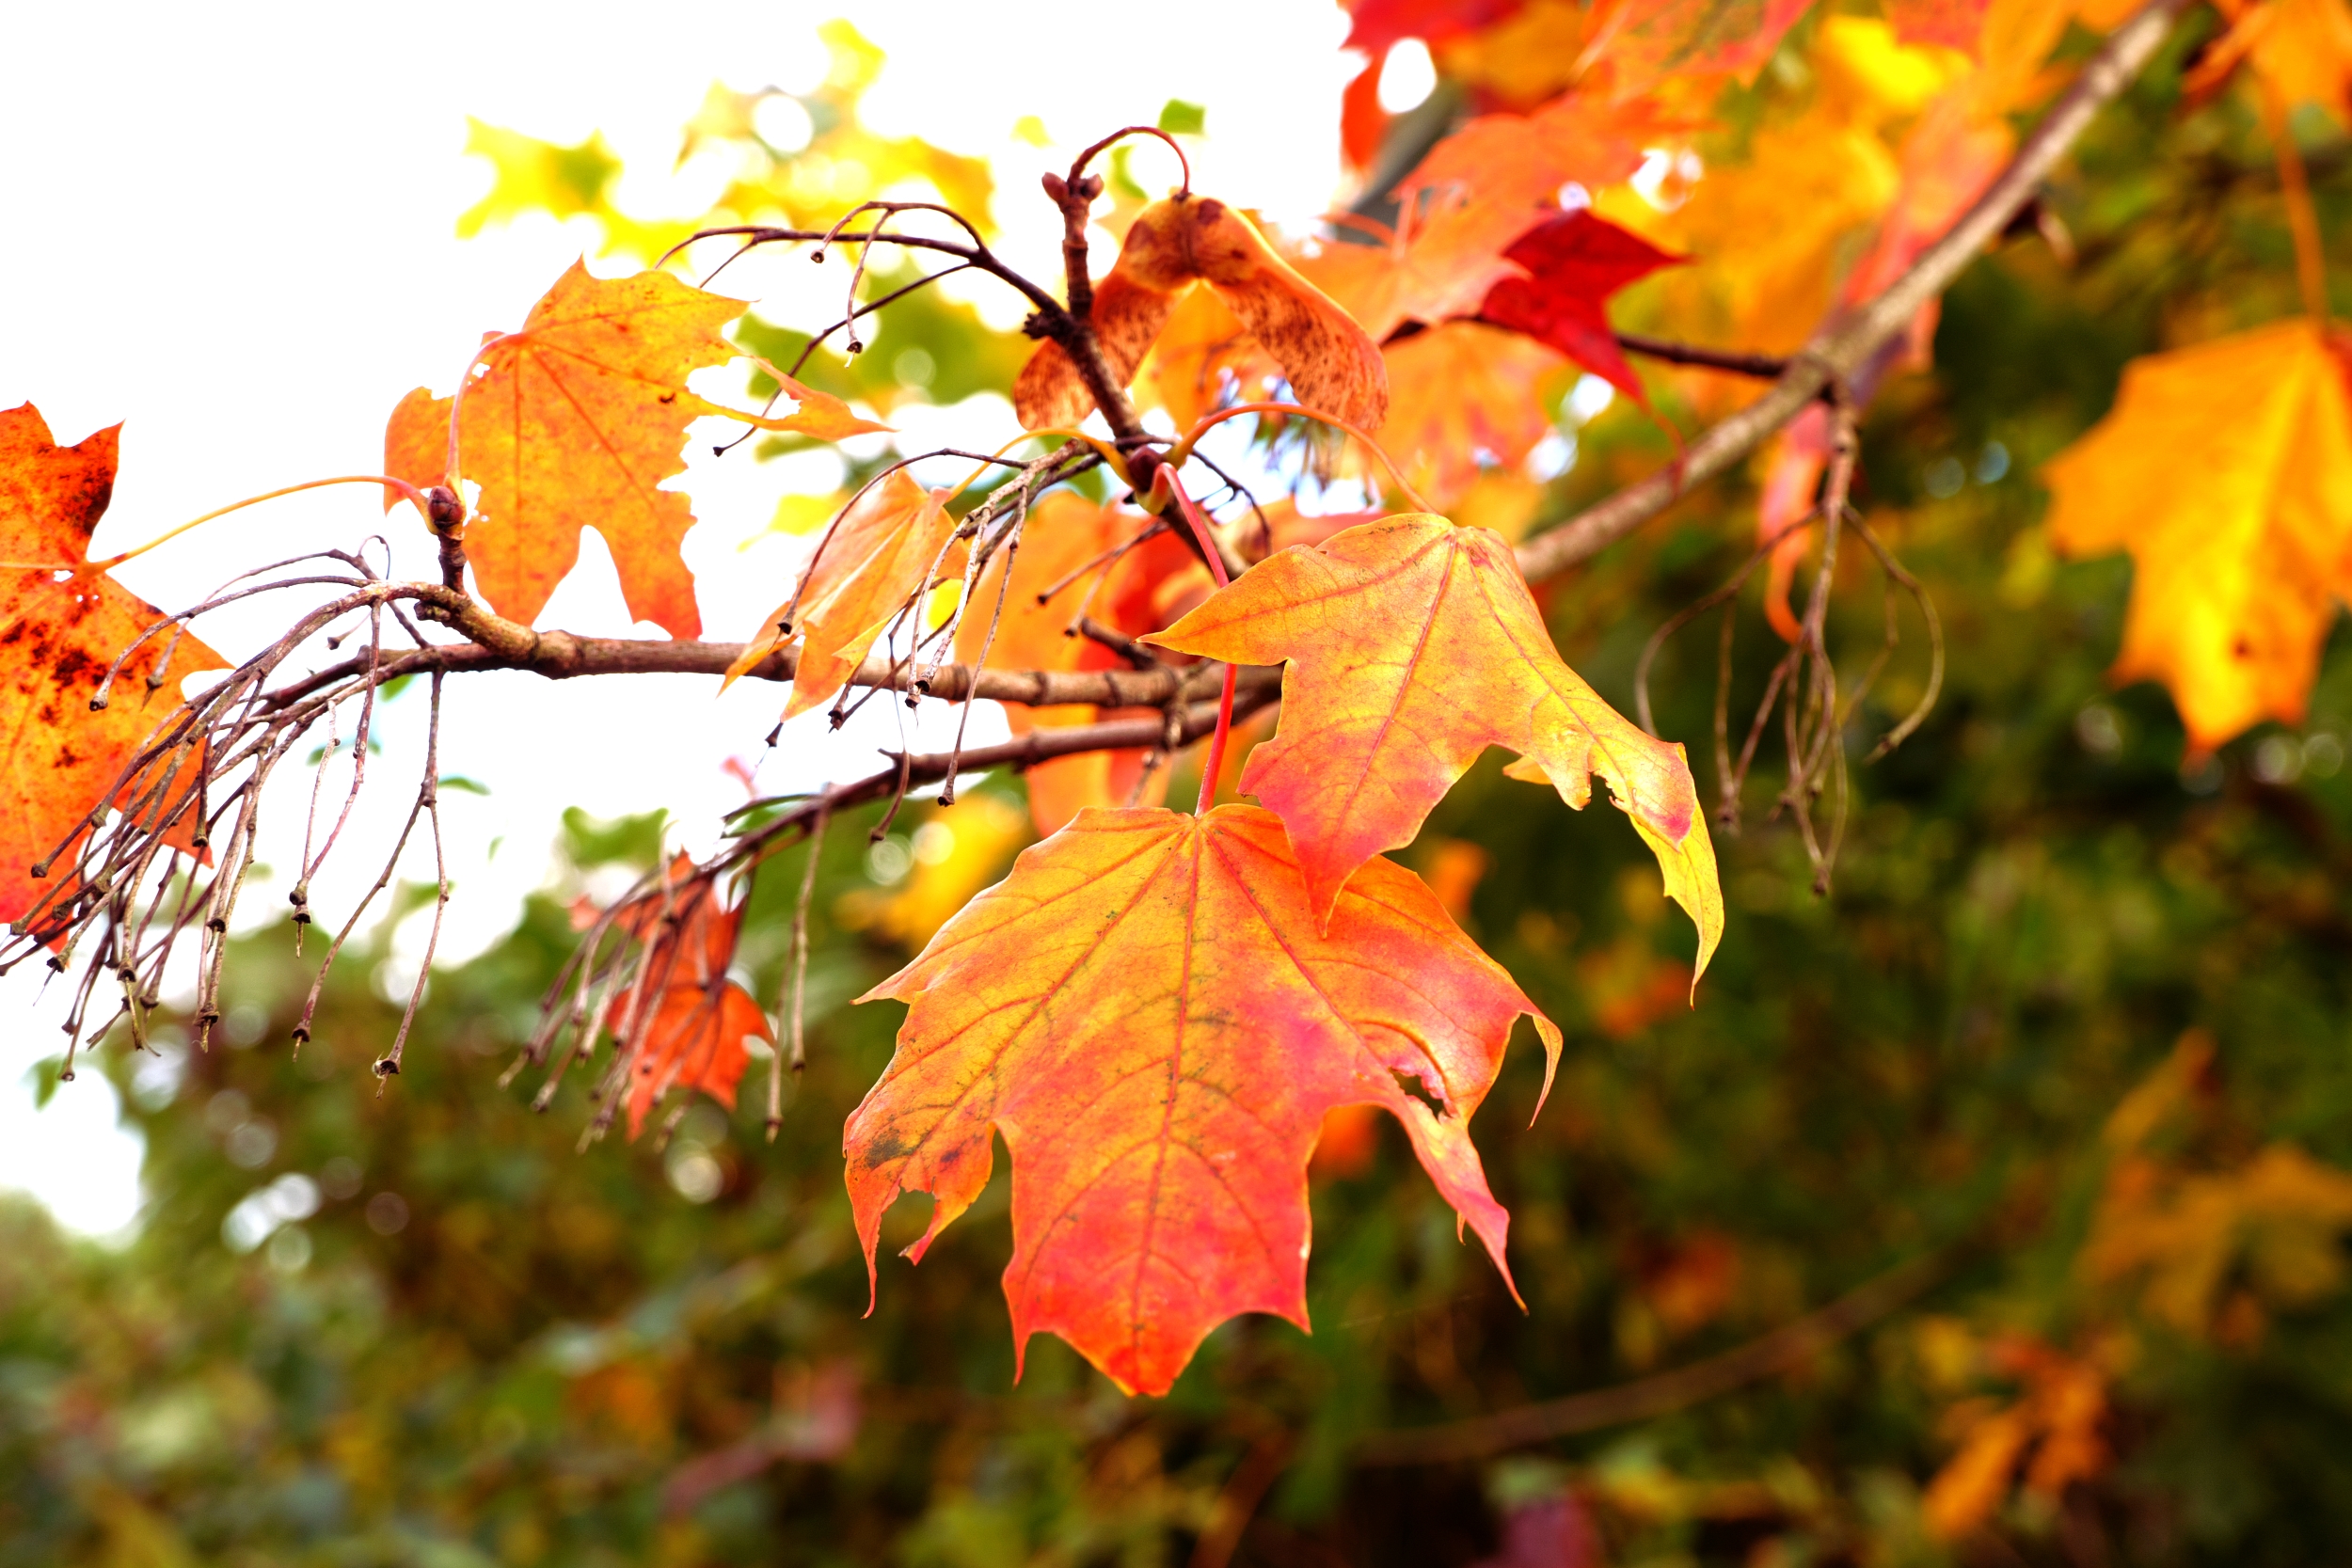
column 1574, row 263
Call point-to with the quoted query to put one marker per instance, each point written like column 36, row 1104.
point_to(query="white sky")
column 231, row 226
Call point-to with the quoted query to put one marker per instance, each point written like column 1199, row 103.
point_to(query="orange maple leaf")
column 689, row 1019
column 1952, row 23
column 573, row 422
column 1412, row 647
column 695, row 1041
column 1332, row 366
column 1146, row 1010
column 1639, row 44
column 2226, row 469
column 1474, row 194
column 2301, row 50
column 1522, row 61
column 1463, row 389
column 1064, row 533
column 893, row 542
column 2056, row 1418
column 62, row 621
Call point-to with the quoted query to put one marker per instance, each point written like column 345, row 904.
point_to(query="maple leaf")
column 1574, row 263
column 573, row 422
column 1774, row 233
column 1465, row 389
column 1474, row 194
column 1950, row 23
column 693, row 1018
column 2226, row 469
column 892, row 543
column 529, row 175
column 2301, row 50
column 1064, row 533
column 1412, row 647
column 1376, row 25
column 2056, row 1417
column 1642, row 42
column 1332, row 366
column 62, row 621
column 695, row 1041
column 1523, row 60
column 1146, row 1010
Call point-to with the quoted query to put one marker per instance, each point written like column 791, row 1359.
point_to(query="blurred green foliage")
column 418, row 1326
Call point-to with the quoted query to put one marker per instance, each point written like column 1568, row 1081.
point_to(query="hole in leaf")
column 1413, row 1085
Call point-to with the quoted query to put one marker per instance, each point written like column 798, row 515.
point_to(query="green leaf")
column 1180, row 119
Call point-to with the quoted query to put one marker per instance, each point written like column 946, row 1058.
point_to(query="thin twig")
column 799, row 1044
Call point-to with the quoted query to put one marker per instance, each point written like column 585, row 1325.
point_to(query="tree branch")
column 1783, row 1349
column 1844, row 345
column 561, row 656
column 974, row 255
column 1040, row 745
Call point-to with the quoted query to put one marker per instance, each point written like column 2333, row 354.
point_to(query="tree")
column 1139, row 946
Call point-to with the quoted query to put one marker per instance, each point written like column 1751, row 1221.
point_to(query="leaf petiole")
column 408, row 492
column 1165, row 486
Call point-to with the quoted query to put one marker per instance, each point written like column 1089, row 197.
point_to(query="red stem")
column 1200, row 527
column 1216, row 744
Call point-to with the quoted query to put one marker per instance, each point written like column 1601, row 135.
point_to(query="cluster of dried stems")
column 173, row 851
column 1813, row 719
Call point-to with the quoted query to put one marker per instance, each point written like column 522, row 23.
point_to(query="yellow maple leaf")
column 2226, row 469
column 1522, row 60
column 529, row 175
column 1775, row 232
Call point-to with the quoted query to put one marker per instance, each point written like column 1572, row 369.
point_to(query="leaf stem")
column 1166, row 474
column 408, row 492
column 2311, row 267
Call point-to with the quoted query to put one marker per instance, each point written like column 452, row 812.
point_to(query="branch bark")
column 562, row 655
column 1024, row 751
column 1843, row 346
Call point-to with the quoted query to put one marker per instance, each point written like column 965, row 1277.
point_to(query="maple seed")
column 1332, row 366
